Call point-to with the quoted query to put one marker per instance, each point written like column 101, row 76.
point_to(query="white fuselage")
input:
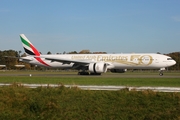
column 96, row 64
column 114, row 61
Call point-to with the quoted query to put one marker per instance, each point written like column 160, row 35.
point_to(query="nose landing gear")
column 161, row 71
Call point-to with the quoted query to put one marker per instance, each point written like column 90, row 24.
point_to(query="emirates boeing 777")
column 95, row 64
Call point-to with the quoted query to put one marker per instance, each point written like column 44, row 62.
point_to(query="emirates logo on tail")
column 30, row 49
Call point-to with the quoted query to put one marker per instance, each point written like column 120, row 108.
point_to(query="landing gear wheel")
column 95, row 73
column 83, row 73
column 161, row 73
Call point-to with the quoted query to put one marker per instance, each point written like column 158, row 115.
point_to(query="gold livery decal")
column 128, row 60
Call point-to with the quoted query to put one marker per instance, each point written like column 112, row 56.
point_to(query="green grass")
column 19, row 103
column 172, row 82
column 171, row 79
column 74, row 104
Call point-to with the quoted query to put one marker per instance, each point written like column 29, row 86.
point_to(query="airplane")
column 95, row 64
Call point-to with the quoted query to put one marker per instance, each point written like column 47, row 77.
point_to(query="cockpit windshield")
column 169, row 59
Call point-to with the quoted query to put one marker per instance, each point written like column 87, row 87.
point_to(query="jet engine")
column 99, row 67
column 118, row 70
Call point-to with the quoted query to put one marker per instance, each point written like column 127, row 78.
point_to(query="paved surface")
column 89, row 87
column 119, row 75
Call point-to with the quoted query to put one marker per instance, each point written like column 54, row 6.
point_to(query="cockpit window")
column 169, row 59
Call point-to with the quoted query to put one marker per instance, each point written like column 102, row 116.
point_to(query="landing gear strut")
column 161, row 71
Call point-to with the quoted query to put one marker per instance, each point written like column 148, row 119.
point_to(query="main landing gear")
column 83, row 73
column 161, row 73
column 87, row 73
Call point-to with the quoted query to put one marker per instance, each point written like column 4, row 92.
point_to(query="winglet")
column 28, row 46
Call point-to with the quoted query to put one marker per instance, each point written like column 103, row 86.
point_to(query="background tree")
column 6, row 58
column 73, row 52
column 99, row 52
column 176, row 57
column 85, row 52
column 19, row 53
column 49, row 53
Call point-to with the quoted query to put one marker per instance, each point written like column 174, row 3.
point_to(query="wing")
column 80, row 64
column 68, row 61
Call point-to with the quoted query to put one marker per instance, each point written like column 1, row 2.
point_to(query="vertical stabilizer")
column 31, row 50
column 28, row 46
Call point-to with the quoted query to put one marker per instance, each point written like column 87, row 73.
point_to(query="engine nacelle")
column 97, row 67
column 118, row 70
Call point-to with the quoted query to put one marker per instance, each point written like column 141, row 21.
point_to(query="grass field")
column 19, row 103
column 171, row 79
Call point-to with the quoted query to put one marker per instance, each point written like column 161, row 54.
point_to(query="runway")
column 107, row 81
column 114, row 75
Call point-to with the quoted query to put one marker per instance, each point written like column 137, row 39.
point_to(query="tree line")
column 10, row 58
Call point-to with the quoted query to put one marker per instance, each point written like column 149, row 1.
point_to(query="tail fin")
column 28, row 46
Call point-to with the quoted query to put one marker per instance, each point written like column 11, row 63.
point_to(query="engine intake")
column 97, row 67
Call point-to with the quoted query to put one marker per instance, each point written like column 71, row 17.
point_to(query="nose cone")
column 173, row 62
column 170, row 62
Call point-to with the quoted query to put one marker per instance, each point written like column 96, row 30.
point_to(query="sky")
column 112, row 26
